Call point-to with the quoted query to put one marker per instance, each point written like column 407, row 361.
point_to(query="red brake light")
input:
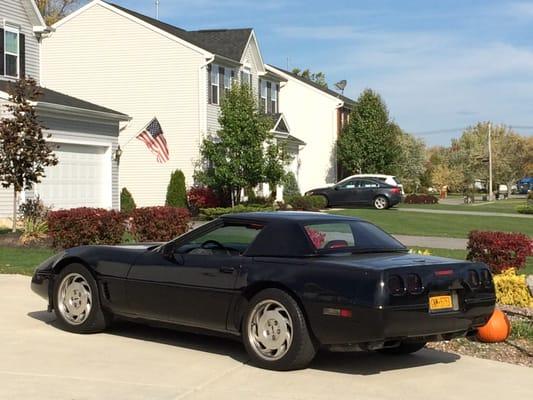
column 444, row 272
column 395, row 190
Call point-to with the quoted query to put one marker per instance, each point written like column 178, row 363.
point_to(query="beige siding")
column 121, row 64
column 13, row 12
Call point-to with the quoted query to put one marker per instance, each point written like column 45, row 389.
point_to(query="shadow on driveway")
column 360, row 363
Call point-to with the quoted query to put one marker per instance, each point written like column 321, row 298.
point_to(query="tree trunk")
column 14, row 227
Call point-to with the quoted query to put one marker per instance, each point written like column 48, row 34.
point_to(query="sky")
column 440, row 65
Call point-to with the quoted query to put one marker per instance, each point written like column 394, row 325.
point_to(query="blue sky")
column 439, row 64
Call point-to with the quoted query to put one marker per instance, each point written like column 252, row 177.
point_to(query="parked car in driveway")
column 388, row 179
column 285, row 283
column 524, row 185
column 360, row 191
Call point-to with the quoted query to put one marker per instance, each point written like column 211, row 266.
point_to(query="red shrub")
column 202, row 197
column 159, row 224
column 421, row 199
column 499, row 250
column 82, row 226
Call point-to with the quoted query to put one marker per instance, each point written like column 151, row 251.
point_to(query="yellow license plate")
column 437, row 303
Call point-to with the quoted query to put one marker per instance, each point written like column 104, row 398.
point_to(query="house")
column 84, row 135
column 316, row 115
column 146, row 68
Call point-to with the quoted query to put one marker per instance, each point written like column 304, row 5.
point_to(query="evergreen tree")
column 127, row 204
column 176, row 192
column 24, row 152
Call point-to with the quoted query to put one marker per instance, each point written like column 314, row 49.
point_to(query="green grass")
column 522, row 330
column 503, row 206
column 17, row 260
column 442, row 225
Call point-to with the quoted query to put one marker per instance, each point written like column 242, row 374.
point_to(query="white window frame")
column 263, row 86
column 227, row 79
column 274, row 97
column 246, row 71
column 215, row 81
column 16, row 31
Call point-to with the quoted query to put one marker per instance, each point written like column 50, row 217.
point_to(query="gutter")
column 80, row 111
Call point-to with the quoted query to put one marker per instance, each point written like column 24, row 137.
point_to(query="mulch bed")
column 13, row 240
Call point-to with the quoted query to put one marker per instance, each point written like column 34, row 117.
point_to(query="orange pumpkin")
column 497, row 329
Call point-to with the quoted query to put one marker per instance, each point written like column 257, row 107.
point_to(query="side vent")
column 105, row 291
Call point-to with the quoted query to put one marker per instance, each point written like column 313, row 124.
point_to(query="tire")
column 291, row 346
column 76, row 287
column 381, row 203
column 404, row 348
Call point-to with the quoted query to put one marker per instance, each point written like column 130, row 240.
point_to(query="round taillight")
column 473, row 278
column 486, row 277
column 413, row 283
column 396, row 286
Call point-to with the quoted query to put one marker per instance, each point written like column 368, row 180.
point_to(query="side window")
column 331, row 235
column 349, row 185
column 368, row 184
column 228, row 239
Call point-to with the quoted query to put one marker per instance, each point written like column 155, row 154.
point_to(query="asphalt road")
column 38, row 361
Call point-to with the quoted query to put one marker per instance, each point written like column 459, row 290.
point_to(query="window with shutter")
column 263, row 95
column 214, row 84
column 222, row 83
column 11, row 52
column 275, row 91
column 269, row 97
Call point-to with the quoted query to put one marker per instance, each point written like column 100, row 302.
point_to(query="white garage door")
column 79, row 180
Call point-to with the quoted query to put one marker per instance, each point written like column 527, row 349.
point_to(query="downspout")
column 336, row 137
column 202, row 100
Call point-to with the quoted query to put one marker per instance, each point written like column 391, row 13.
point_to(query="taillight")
column 486, row 277
column 396, row 285
column 395, row 190
column 473, row 278
column 413, row 283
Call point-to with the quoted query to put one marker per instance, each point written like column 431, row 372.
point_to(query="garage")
column 81, row 178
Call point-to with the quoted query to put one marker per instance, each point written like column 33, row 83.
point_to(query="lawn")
column 503, row 206
column 442, row 225
column 16, row 260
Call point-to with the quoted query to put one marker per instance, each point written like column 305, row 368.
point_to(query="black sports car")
column 285, row 282
column 360, row 191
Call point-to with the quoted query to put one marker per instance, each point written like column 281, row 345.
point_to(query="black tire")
column 302, row 348
column 404, row 348
column 97, row 319
column 381, row 202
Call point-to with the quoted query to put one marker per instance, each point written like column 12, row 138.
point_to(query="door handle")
column 227, row 270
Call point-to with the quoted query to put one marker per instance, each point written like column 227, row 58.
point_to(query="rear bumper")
column 369, row 326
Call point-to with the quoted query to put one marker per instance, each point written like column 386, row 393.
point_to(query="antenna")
column 157, row 9
column 341, row 85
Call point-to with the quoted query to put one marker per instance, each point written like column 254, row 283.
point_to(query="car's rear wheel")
column 381, row 203
column 275, row 332
column 76, row 301
column 404, row 348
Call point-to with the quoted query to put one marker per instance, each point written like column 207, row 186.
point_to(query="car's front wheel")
column 275, row 332
column 76, row 301
column 381, row 203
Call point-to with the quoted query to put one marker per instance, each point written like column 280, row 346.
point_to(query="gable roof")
column 228, row 43
column 56, row 98
column 34, row 15
column 347, row 100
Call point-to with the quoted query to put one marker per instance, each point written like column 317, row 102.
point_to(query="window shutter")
column 269, row 97
column 221, row 83
column 210, row 97
column 22, row 55
column 2, row 52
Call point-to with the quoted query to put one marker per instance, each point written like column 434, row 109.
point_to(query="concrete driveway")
column 39, row 361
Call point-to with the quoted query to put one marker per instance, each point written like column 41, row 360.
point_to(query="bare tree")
column 53, row 10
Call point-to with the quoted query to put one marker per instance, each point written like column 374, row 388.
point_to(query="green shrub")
column 524, row 209
column 127, row 204
column 307, row 203
column 290, row 186
column 259, row 201
column 212, row 213
column 176, row 192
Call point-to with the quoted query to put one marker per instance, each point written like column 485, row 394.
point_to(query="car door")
column 366, row 191
column 192, row 284
column 344, row 193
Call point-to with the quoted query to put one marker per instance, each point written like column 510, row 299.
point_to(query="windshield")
column 350, row 236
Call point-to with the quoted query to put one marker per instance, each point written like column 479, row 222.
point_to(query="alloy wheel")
column 74, row 299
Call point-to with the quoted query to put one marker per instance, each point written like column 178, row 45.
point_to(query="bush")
column 202, row 197
column 525, row 209
column 176, row 193
column 127, row 204
column 33, row 214
column 83, row 226
column 259, row 201
column 307, row 203
column 213, row 213
column 511, row 289
column 159, row 224
column 421, row 199
column 499, row 250
column 290, row 186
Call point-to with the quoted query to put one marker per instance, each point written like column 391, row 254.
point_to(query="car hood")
column 320, row 189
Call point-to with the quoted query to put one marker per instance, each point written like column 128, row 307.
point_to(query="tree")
column 24, row 152
column 53, row 10
column 244, row 152
column 316, row 77
column 369, row 143
column 412, row 161
column 176, row 192
column 127, row 204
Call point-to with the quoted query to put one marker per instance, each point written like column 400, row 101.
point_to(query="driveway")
column 38, row 361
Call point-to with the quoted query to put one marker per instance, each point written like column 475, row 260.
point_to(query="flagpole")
column 137, row 134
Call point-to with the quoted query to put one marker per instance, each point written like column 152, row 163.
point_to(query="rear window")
column 351, row 236
column 396, row 180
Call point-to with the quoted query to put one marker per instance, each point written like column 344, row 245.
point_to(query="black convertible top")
column 283, row 234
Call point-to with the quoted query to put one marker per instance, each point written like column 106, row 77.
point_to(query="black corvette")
column 287, row 283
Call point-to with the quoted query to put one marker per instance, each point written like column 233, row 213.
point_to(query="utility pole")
column 491, row 198
column 156, row 9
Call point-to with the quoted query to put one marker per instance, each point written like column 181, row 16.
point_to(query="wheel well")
column 58, row 267
column 257, row 287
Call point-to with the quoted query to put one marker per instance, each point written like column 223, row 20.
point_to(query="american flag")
column 153, row 138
